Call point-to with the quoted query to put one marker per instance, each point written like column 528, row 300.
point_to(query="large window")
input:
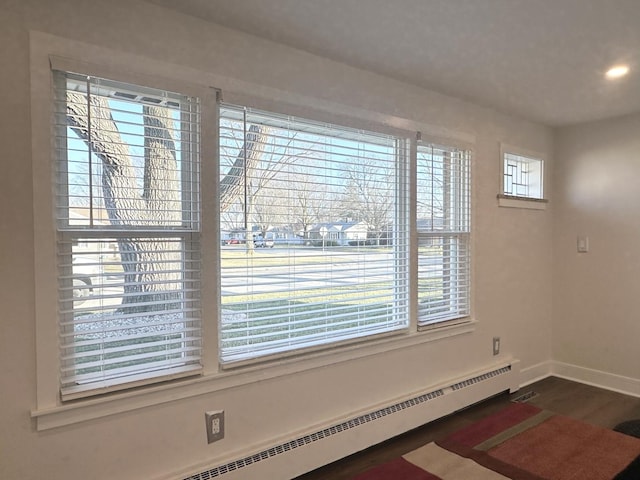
column 128, row 233
column 314, row 230
column 443, row 224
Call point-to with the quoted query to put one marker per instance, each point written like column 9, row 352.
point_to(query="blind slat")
column 110, row 360
column 123, row 374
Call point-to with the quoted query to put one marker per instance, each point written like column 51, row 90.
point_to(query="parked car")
column 85, row 269
column 260, row 242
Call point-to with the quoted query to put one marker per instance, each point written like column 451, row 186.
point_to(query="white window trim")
column 48, row 410
column 511, row 201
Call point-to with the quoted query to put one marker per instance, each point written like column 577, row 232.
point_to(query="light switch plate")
column 583, row 244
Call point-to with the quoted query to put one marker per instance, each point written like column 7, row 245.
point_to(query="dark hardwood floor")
column 590, row 404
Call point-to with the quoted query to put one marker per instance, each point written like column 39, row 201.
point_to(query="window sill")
column 99, row 407
column 510, row 201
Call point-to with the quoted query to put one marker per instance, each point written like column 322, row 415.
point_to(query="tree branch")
column 91, row 120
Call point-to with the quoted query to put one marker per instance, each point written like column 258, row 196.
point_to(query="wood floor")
column 583, row 402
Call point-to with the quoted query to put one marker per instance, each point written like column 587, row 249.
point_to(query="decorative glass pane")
column 522, row 176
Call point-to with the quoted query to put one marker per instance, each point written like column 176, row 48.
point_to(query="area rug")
column 521, row 442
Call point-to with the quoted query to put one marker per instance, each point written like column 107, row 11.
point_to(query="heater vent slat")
column 480, row 378
column 341, row 427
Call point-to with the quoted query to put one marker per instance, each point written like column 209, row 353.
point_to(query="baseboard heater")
column 320, row 446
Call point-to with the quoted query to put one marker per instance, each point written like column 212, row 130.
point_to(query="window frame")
column 48, row 51
column 46, row 212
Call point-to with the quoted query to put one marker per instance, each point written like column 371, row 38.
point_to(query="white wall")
column 512, row 251
column 596, row 330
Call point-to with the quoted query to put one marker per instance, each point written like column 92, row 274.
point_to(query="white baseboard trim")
column 575, row 373
column 596, row 378
column 535, row 373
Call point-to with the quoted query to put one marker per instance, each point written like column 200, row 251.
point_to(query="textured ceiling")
column 540, row 59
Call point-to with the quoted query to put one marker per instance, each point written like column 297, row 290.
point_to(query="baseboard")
column 588, row 376
column 535, row 373
column 596, row 378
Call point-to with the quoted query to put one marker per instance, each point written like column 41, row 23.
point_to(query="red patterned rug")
column 521, row 442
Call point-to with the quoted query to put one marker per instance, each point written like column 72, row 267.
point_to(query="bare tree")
column 309, row 205
column 305, row 213
column 151, row 282
column 270, row 179
column 233, row 185
column 289, row 200
column 369, row 197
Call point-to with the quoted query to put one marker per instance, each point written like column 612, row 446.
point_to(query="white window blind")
column 443, row 224
column 128, row 234
column 314, row 236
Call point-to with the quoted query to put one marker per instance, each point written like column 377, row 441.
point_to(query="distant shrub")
column 326, row 243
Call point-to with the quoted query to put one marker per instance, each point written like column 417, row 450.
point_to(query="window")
column 128, row 226
column 522, row 176
column 332, row 201
column 315, row 258
column 314, row 224
column 443, row 224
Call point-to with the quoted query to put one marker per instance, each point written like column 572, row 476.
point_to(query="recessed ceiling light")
column 617, row 71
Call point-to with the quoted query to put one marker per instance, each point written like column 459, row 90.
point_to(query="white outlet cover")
column 215, row 425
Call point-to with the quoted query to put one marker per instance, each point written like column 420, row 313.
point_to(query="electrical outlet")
column 215, row 425
column 496, row 345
